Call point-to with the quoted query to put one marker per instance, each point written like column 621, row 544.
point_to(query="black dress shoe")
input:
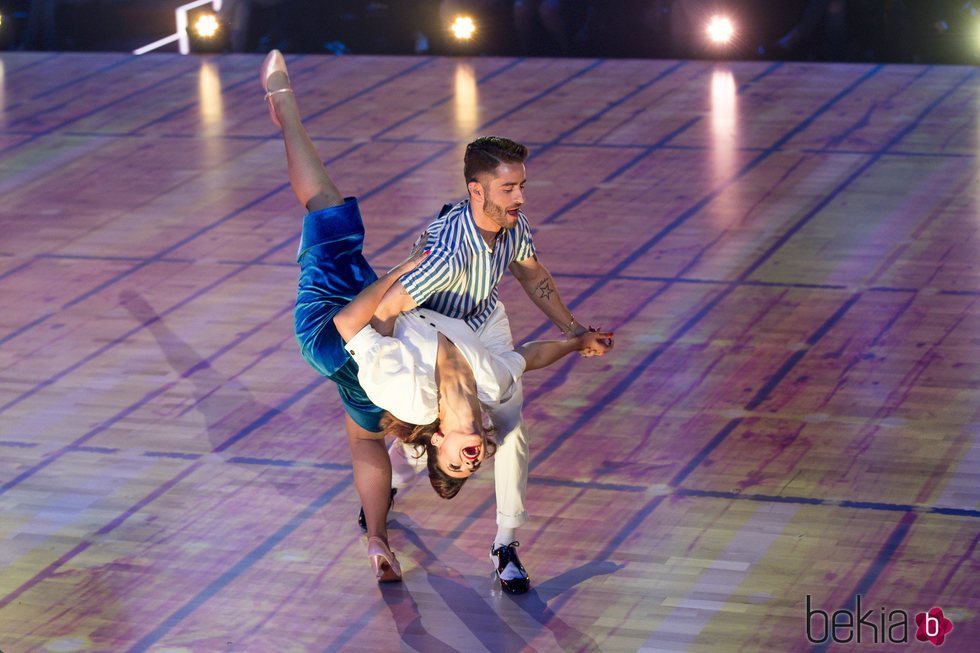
column 362, row 522
column 504, row 555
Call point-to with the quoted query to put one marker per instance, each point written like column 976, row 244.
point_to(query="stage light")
column 721, row 30
column 724, row 131
column 463, row 28
column 467, row 101
column 211, row 104
column 206, row 26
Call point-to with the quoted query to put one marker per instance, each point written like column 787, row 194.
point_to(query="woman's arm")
column 394, row 302
column 356, row 315
column 545, row 352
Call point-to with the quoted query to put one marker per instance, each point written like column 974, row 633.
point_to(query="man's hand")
column 594, row 343
column 575, row 330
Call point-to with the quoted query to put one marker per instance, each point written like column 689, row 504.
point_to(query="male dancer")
column 470, row 247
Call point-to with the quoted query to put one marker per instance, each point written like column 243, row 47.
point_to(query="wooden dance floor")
column 789, row 255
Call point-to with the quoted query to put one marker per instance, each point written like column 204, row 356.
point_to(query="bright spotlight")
column 206, row 26
column 720, row 30
column 463, row 28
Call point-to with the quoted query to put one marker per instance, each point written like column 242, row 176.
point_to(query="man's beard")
column 497, row 214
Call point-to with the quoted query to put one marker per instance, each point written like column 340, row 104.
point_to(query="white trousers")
column 511, row 460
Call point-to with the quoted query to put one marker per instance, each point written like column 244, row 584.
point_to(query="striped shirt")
column 459, row 276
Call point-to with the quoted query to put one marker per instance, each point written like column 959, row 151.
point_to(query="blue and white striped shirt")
column 459, row 277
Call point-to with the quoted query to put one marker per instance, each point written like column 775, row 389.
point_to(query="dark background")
column 915, row 31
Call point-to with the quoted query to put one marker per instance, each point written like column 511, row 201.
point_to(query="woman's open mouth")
column 471, row 453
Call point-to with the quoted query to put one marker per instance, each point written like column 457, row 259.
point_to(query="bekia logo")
column 873, row 626
column 933, row 626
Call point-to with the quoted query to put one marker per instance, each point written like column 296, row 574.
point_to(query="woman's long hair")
column 420, row 436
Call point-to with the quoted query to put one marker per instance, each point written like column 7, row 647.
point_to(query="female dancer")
column 434, row 373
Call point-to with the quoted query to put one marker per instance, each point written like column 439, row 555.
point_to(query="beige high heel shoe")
column 274, row 62
column 383, row 561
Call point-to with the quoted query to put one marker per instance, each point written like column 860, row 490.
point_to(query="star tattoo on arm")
column 546, row 289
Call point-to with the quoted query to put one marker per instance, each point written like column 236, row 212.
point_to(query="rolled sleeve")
column 364, row 341
column 525, row 243
column 508, row 369
column 514, row 362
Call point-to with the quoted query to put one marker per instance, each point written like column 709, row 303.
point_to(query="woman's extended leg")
column 372, row 478
column 313, row 188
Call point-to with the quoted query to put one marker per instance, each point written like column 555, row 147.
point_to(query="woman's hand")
column 419, row 252
column 595, row 342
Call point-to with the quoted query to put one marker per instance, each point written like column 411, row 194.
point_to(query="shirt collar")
column 474, row 232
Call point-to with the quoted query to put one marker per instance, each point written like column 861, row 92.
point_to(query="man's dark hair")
column 487, row 152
